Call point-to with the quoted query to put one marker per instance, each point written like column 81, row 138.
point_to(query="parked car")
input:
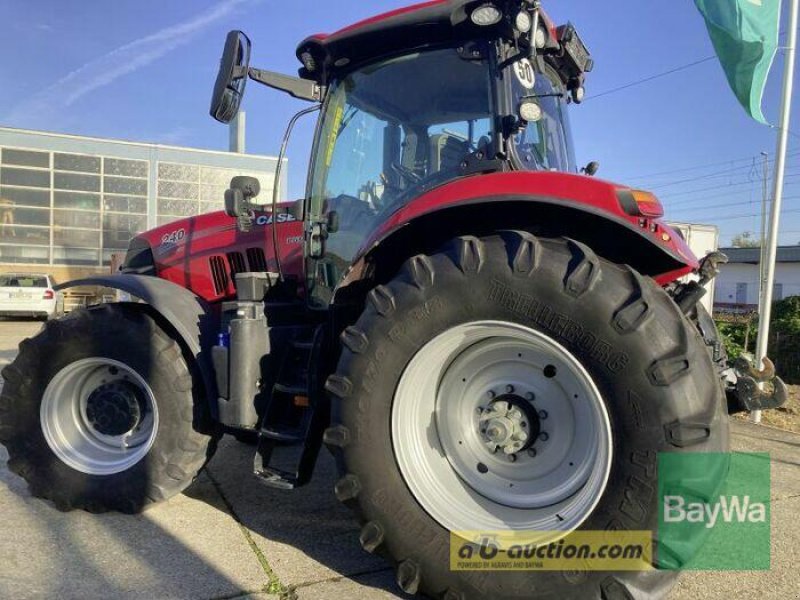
column 29, row 295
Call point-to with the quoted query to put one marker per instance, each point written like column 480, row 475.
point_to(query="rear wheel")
column 98, row 412
column 516, row 383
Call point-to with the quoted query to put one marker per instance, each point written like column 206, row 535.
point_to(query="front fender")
column 188, row 315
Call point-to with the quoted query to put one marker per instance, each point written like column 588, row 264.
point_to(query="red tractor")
column 484, row 337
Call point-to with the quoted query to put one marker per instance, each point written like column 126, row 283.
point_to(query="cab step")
column 292, row 417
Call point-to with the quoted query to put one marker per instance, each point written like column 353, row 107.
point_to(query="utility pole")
column 765, row 311
column 764, row 202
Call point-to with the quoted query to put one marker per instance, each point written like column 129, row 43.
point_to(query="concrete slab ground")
column 230, row 537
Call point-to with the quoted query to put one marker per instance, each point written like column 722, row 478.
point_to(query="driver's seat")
column 447, row 152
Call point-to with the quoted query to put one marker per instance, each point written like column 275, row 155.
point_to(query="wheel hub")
column 114, row 408
column 509, row 424
column 520, row 440
column 99, row 416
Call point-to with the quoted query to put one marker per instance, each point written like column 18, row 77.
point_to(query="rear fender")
column 614, row 238
column 176, row 309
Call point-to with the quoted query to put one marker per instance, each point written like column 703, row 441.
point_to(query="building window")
column 189, row 190
column 125, row 191
column 73, row 208
column 76, row 162
column 26, row 158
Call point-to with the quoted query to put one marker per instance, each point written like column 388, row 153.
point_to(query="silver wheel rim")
column 82, row 439
column 439, row 418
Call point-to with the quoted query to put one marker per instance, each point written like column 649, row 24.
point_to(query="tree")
column 745, row 239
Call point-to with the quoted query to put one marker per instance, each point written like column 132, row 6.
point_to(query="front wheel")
column 98, row 412
column 513, row 383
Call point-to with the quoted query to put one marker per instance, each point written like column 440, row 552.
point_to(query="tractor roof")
column 434, row 23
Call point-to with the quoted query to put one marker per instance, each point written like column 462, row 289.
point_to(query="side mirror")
column 591, row 169
column 232, row 77
column 238, row 200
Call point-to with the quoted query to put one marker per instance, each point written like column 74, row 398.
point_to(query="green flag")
column 745, row 36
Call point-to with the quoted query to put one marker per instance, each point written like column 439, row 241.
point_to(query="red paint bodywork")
column 186, row 260
column 383, row 17
column 182, row 250
column 586, row 193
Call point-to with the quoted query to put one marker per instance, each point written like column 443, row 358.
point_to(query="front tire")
column 98, row 413
column 654, row 383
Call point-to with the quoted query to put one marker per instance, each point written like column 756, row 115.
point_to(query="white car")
column 29, row 295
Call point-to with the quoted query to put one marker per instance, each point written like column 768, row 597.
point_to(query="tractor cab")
column 413, row 100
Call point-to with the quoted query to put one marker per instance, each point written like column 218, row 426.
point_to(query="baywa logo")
column 730, row 509
column 714, row 511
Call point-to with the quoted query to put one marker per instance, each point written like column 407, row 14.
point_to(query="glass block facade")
column 67, row 200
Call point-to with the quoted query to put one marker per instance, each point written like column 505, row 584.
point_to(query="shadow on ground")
column 180, row 550
column 307, row 536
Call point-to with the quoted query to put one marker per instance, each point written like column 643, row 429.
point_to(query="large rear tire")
column 558, row 327
column 98, row 412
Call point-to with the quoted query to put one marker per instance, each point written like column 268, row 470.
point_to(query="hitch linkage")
column 756, row 390
column 694, row 291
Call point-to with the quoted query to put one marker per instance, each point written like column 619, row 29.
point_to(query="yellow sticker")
column 333, row 134
column 536, row 551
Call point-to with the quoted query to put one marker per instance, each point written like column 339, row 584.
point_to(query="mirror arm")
column 301, row 89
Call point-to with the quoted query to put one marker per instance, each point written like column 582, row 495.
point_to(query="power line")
column 694, row 168
column 730, row 162
column 717, row 187
column 783, row 212
column 713, row 175
column 726, row 193
column 651, row 78
column 663, row 74
column 716, row 206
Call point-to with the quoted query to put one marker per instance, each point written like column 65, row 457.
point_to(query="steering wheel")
column 406, row 173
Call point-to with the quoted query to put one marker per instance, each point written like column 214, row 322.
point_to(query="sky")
column 143, row 70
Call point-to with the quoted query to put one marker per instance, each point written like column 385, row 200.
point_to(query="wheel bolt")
column 542, row 414
column 544, row 436
column 479, row 410
column 532, row 452
column 530, row 396
column 492, row 394
column 512, row 458
column 509, row 389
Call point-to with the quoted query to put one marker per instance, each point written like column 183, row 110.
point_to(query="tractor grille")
column 256, row 260
column 237, row 263
column 219, row 274
column 225, row 268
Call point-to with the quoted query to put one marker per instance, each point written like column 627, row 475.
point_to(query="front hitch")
column 755, row 390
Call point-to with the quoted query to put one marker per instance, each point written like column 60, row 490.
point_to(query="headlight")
column 523, row 22
column 486, row 15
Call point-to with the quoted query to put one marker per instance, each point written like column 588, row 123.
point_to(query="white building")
column 738, row 281
column 67, row 203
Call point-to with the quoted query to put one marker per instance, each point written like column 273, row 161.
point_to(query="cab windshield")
column 392, row 130
column 547, row 143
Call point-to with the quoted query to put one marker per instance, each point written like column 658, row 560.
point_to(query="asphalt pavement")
column 230, row 537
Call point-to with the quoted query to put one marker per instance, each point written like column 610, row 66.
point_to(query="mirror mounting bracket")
column 301, row 89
